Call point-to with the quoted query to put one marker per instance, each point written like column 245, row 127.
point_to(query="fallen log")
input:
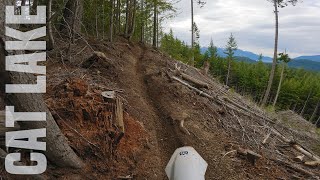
column 246, row 109
column 196, row 82
column 299, row 158
column 312, row 163
column 305, row 152
column 293, row 167
column 216, row 99
column 274, row 131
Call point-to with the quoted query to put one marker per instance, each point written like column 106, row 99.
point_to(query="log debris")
column 312, row 163
column 250, row 155
column 225, row 101
column 293, row 167
column 299, row 158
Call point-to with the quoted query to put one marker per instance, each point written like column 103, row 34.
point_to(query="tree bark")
column 192, row 34
column 58, row 151
column 229, row 67
column 96, row 19
column 133, row 20
column 72, row 16
column 142, row 23
column 155, row 8
column 111, row 20
column 279, row 87
column 126, row 27
column 275, row 55
column 50, row 45
column 118, row 16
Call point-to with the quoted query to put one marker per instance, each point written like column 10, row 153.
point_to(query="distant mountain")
column 245, row 59
column 305, row 64
column 311, row 63
column 311, row 58
column 241, row 53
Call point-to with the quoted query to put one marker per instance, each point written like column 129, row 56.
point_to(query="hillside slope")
column 154, row 105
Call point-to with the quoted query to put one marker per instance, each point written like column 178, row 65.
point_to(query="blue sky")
column 252, row 23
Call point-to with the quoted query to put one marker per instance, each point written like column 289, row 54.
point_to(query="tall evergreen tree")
column 231, row 47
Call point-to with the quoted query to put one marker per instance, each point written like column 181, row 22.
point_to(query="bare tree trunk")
column 58, row 150
column 126, row 27
column 275, row 55
column 155, row 8
column 192, row 34
column 142, row 23
column 315, row 112
column 229, row 67
column 50, row 45
column 72, row 16
column 118, row 16
column 305, row 104
column 133, row 20
column 103, row 19
column 279, row 87
column 96, row 18
column 111, row 20
column 158, row 30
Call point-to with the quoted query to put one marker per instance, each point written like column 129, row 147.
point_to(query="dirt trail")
column 163, row 140
column 168, row 139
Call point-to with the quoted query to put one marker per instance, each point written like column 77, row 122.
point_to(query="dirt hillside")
column 154, row 105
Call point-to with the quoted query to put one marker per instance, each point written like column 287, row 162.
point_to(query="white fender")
column 186, row 164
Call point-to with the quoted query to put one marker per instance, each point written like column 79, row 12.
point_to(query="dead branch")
column 196, row 82
column 293, row 167
column 246, row 109
column 266, row 138
column 295, row 145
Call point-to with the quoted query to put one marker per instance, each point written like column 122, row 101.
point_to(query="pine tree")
column 231, row 47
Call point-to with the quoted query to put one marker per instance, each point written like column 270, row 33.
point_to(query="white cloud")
column 252, row 22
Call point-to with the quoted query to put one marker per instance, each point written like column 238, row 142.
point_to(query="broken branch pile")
column 257, row 126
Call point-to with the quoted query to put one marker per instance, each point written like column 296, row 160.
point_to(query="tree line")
column 136, row 20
